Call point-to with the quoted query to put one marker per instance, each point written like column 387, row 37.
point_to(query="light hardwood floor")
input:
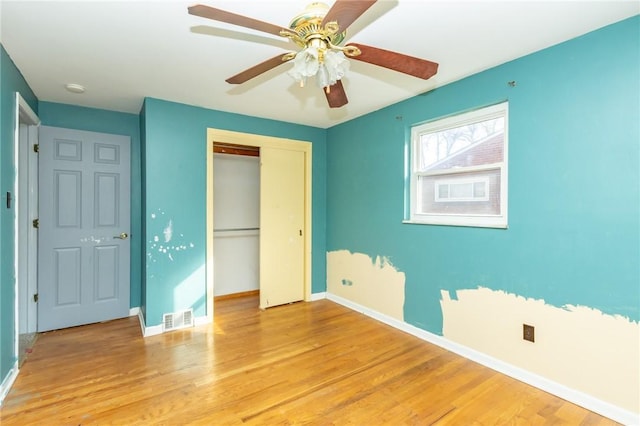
column 307, row 363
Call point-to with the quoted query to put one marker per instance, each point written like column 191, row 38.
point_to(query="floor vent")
column 176, row 320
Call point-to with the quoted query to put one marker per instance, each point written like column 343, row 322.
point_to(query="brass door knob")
column 122, row 236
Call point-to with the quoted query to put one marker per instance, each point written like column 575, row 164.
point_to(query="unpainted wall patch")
column 372, row 282
column 592, row 352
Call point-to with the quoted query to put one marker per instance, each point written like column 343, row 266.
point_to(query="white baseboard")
column 143, row 327
column 134, row 311
column 202, row 320
column 579, row 398
column 157, row 329
column 11, row 377
column 318, row 296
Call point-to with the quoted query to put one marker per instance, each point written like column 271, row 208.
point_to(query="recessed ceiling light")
column 74, row 88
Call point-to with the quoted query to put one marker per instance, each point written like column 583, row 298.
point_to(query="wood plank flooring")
column 307, row 363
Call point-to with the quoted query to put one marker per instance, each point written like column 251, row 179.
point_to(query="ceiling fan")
column 319, row 32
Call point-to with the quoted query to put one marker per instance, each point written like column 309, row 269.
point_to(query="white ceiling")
column 122, row 51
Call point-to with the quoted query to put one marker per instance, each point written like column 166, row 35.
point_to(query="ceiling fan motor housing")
column 308, row 26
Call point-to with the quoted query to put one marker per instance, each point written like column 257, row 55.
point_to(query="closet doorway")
column 236, row 213
column 284, row 231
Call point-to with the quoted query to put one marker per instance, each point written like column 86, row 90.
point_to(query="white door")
column 282, row 185
column 83, row 244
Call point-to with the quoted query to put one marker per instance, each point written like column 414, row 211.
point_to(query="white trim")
column 461, row 170
column 462, row 119
column 8, row 382
column 157, row 329
column 25, row 246
column 141, row 320
column 461, row 181
column 148, row 331
column 261, row 141
column 134, row 311
column 25, row 115
column 589, row 402
column 26, row 109
column 413, row 196
column 318, row 296
column 152, row 331
column 209, row 263
column 469, row 223
column 203, row 320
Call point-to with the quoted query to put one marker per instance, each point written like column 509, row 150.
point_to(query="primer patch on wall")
column 168, row 232
column 577, row 346
column 157, row 248
column 373, row 283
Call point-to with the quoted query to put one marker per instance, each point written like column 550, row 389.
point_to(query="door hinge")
column 35, row 297
column 36, row 223
column 36, row 147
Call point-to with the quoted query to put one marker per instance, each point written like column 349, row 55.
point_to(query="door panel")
column 67, row 277
column 84, row 208
column 106, row 196
column 282, row 182
column 66, row 198
column 106, row 272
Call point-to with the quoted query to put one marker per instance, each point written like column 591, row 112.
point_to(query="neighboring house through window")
column 459, row 169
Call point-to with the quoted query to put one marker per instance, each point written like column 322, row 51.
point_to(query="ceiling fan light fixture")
column 305, row 64
column 334, row 67
column 328, row 66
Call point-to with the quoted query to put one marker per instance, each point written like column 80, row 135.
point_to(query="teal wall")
column 574, row 194
column 119, row 123
column 174, row 164
column 11, row 81
column 574, row 206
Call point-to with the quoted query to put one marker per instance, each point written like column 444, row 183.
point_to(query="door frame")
column 254, row 140
column 26, row 166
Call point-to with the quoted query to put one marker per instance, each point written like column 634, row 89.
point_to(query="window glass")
column 459, row 170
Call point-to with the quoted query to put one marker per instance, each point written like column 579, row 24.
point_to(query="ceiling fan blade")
column 345, row 12
column 336, row 96
column 416, row 67
column 231, row 18
column 256, row 70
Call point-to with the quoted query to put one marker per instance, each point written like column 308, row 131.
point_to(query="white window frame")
column 475, row 220
column 460, row 181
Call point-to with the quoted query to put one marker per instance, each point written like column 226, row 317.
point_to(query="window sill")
column 468, row 223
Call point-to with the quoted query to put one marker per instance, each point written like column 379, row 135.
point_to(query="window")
column 464, row 189
column 459, row 170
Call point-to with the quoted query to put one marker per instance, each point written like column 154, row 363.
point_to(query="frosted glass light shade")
column 307, row 64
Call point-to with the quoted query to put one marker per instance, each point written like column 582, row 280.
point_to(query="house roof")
column 489, row 150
